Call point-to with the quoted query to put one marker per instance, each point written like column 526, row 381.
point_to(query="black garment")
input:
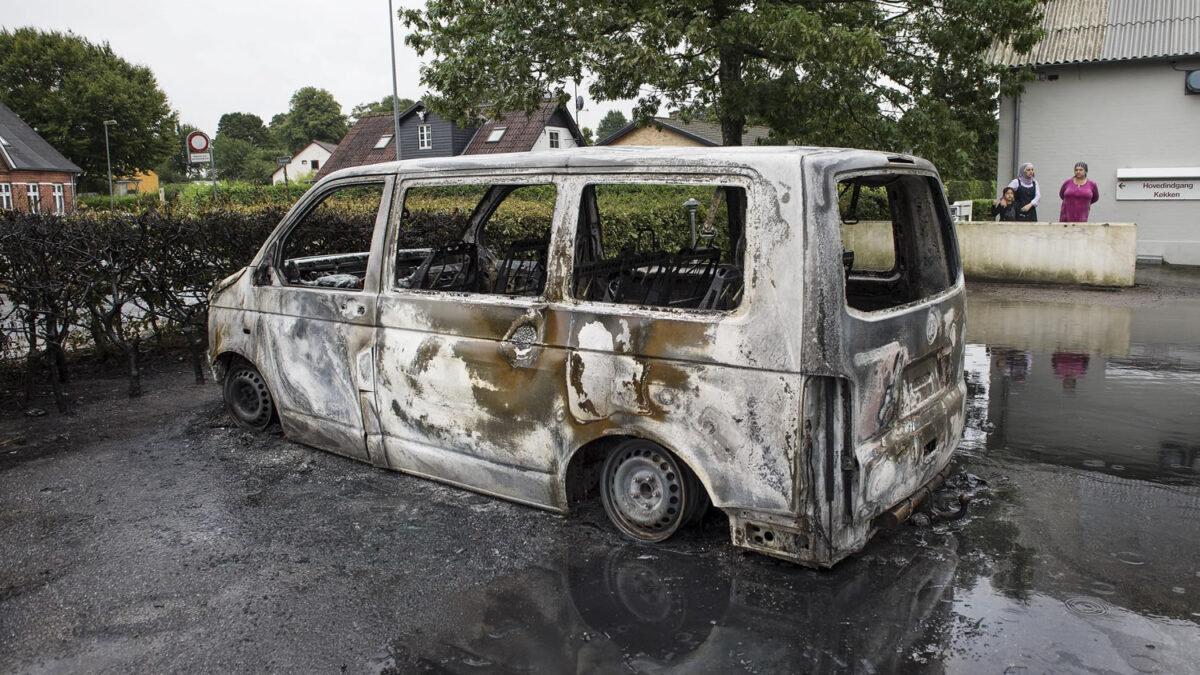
column 1005, row 212
column 1024, row 196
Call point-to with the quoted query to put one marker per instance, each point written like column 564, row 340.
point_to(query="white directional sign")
column 1158, row 189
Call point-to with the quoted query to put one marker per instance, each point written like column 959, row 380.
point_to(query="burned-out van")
column 775, row 332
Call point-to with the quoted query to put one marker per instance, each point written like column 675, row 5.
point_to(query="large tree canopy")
column 314, row 115
column 380, row 107
column 889, row 74
column 244, row 127
column 65, row 87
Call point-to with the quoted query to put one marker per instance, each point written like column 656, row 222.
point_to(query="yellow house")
column 675, row 132
column 142, row 182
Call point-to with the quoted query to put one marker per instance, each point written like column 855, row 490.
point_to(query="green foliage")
column 908, row 75
column 610, row 124
column 960, row 190
column 243, row 126
column 979, row 209
column 380, row 107
column 126, row 203
column 175, row 168
column 314, row 115
column 64, row 86
column 242, row 161
column 199, row 197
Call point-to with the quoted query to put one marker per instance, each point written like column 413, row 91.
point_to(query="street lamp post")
column 108, row 156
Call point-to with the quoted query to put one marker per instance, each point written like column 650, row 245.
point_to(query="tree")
column 175, row 168
column 888, row 74
column 313, row 115
column 380, row 107
column 65, row 87
column 244, row 126
column 611, row 124
column 239, row 160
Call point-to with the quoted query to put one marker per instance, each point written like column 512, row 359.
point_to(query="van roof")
column 620, row 156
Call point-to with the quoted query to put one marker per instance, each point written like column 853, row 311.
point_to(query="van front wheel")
column 648, row 493
column 247, row 397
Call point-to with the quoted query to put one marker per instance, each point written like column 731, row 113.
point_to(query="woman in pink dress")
column 1078, row 194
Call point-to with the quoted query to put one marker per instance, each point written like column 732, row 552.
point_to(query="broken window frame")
column 358, row 262
column 905, row 279
column 747, row 182
column 469, row 236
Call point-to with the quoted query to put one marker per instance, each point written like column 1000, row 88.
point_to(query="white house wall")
column 565, row 140
column 301, row 163
column 1112, row 116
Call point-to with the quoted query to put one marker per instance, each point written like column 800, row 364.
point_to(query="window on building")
column 554, row 139
column 316, row 164
column 60, row 203
column 425, row 137
column 496, row 134
column 33, row 194
column 383, row 142
column 6, row 201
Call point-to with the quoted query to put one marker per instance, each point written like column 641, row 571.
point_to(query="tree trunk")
column 135, row 373
column 53, row 353
column 730, row 112
column 196, row 348
column 31, row 365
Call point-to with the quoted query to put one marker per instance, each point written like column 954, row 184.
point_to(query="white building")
column 308, row 161
column 1117, row 86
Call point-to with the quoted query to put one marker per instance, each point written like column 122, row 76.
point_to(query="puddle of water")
column 1109, row 389
column 600, row 609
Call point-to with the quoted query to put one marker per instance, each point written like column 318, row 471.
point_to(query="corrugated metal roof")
column 1111, row 30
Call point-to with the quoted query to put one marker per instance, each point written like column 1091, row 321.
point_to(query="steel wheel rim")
column 645, row 493
column 249, row 399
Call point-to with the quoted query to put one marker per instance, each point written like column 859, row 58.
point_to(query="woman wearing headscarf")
column 1028, row 192
column 1078, row 193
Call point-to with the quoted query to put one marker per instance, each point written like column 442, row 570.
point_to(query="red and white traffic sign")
column 198, row 141
column 198, row 145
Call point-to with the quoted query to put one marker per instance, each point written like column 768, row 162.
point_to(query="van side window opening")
column 661, row 245
column 330, row 245
column 895, row 240
column 491, row 239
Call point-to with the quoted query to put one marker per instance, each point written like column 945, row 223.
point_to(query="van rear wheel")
column 648, row 493
column 247, row 397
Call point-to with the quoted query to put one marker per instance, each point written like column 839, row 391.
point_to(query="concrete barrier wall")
column 1095, row 254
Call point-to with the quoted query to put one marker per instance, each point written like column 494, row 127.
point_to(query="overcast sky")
column 223, row 56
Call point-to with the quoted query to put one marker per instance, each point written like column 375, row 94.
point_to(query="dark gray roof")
column 1079, row 31
column 22, row 148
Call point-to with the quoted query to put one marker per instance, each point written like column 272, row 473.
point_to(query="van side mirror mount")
column 262, row 275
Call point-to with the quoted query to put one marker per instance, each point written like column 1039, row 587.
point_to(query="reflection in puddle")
column 632, row 610
column 1108, row 389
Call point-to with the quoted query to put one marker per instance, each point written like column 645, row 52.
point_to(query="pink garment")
column 1077, row 200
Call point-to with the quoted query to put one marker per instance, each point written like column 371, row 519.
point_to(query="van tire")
column 247, row 397
column 648, row 493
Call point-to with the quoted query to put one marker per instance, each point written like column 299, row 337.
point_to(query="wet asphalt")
column 153, row 537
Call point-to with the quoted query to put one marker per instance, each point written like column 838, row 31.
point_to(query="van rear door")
column 883, row 324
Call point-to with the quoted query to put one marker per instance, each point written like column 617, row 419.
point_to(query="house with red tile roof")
column 549, row 127
column 34, row 177
column 424, row 133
